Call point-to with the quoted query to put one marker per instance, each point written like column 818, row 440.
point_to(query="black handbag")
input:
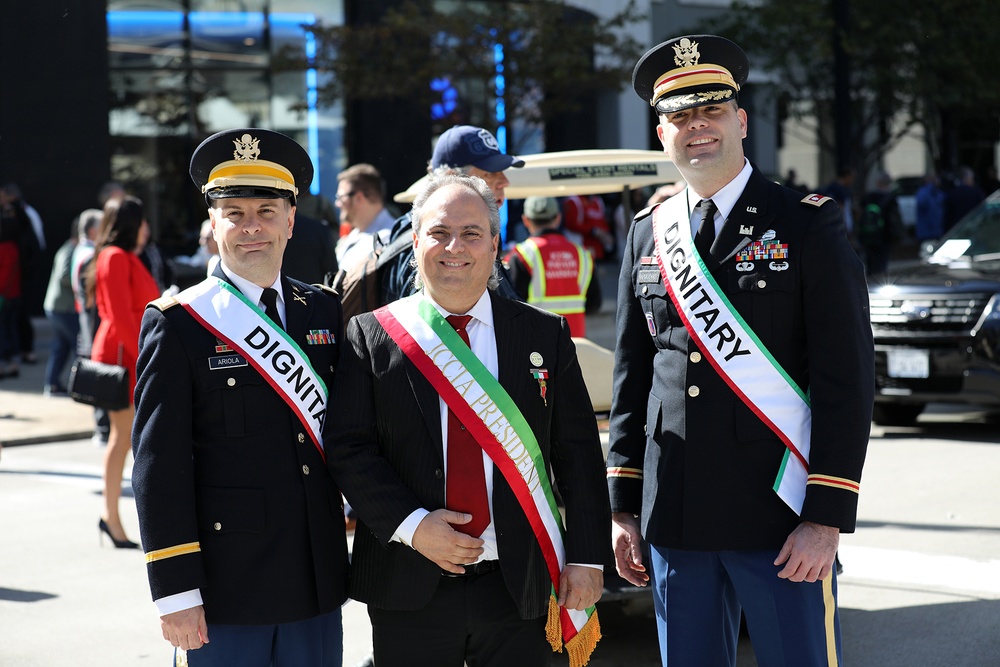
column 99, row 384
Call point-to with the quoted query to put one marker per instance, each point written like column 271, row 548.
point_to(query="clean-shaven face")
column 454, row 248
column 252, row 235
column 705, row 139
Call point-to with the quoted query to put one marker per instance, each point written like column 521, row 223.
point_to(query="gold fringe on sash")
column 580, row 647
column 553, row 628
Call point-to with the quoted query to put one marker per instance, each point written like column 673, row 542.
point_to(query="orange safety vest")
column 561, row 272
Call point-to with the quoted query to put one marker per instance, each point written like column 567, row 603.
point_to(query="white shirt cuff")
column 178, row 602
column 590, row 565
column 404, row 534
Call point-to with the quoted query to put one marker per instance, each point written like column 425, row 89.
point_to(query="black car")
column 937, row 323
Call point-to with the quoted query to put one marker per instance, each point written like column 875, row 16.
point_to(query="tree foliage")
column 552, row 55
column 911, row 62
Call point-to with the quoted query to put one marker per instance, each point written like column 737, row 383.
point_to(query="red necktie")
column 465, row 486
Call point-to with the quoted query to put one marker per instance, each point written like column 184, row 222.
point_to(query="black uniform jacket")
column 698, row 463
column 221, row 461
column 386, row 453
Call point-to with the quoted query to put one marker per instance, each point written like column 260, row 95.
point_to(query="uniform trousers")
column 317, row 642
column 698, row 596
column 471, row 619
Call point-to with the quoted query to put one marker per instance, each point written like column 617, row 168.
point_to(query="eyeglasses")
column 345, row 196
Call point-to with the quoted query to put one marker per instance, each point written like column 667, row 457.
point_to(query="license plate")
column 908, row 363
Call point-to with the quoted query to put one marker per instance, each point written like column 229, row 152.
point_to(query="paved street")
column 921, row 584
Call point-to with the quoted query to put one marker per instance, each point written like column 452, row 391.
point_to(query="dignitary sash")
column 733, row 349
column 223, row 310
column 485, row 408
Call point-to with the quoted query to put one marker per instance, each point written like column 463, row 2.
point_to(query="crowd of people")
column 448, row 414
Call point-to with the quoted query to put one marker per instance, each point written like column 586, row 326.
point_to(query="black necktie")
column 705, row 236
column 270, row 300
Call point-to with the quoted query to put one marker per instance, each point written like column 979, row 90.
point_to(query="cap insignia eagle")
column 247, row 148
column 686, row 53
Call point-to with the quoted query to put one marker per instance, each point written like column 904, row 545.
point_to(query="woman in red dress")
column 122, row 287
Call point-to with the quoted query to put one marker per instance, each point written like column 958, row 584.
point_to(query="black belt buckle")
column 482, row 567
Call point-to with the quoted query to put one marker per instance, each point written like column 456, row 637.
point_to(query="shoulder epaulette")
column 814, row 199
column 164, row 302
column 644, row 212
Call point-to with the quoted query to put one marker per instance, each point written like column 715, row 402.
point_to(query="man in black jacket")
column 743, row 384
column 457, row 552
column 242, row 526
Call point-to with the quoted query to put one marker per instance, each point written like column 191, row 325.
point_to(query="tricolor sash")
column 223, row 310
column 490, row 414
column 733, row 348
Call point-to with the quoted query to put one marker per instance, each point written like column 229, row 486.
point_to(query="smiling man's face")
column 454, row 248
column 252, row 235
column 705, row 143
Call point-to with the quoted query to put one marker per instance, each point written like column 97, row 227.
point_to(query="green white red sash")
column 223, row 310
column 733, row 348
column 490, row 414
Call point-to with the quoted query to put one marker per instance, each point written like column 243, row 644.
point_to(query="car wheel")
column 896, row 415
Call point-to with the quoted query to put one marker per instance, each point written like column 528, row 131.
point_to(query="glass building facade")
column 181, row 70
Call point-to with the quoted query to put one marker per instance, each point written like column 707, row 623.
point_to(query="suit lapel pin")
column 535, row 359
column 298, row 297
column 746, row 231
column 541, row 375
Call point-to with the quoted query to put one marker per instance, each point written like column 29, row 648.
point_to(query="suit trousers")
column 698, row 597
column 317, row 641
column 471, row 620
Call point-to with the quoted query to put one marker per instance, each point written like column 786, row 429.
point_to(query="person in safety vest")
column 550, row 271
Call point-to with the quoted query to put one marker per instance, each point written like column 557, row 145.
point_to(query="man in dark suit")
column 457, row 558
column 743, row 385
column 242, row 525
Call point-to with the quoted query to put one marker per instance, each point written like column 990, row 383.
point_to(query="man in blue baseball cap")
column 464, row 149
column 474, row 151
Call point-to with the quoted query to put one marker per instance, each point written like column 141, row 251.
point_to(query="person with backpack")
column 461, row 149
column 879, row 224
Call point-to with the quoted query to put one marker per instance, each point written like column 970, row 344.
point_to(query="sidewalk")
column 26, row 416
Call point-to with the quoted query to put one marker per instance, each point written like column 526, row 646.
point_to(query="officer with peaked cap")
column 743, row 384
column 242, row 526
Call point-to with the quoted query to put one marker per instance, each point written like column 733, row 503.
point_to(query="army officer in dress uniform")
column 743, row 384
column 242, row 526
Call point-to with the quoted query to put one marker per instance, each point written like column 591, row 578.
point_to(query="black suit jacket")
column 386, row 453
column 708, row 462
column 222, row 461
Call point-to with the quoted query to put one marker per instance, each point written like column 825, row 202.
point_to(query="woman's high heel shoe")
column 119, row 544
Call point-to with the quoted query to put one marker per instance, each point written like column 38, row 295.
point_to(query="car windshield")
column 976, row 236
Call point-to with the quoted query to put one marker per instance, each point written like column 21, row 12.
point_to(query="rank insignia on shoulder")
column 644, row 212
column 164, row 302
column 815, row 200
column 320, row 337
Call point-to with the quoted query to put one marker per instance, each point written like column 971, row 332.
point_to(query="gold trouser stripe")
column 830, row 606
column 170, row 552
